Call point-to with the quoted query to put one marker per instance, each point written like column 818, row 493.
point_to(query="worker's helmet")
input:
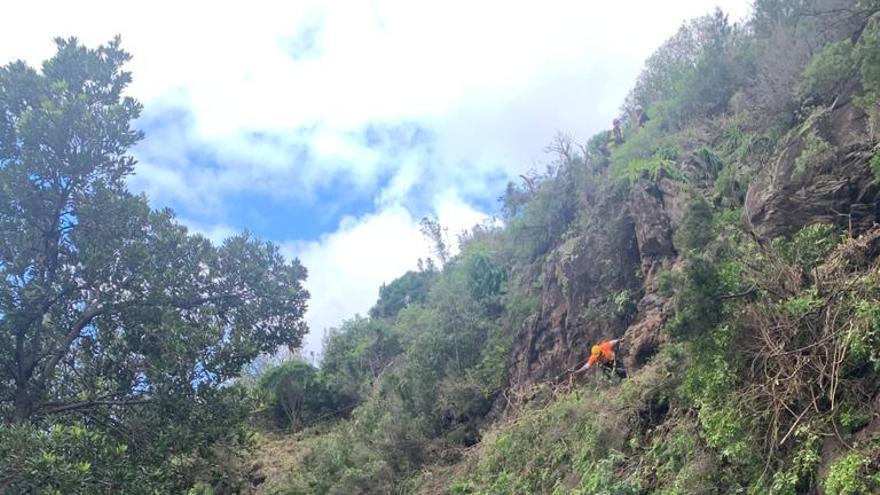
column 597, row 350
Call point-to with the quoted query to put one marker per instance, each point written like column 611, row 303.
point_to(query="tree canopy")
column 113, row 316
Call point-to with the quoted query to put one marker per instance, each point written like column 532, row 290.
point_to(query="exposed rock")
column 652, row 225
column 643, row 338
column 839, row 188
column 584, row 276
column 580, row 278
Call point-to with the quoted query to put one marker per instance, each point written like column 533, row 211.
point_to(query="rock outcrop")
column 802, row 186
column 601, row 283
column 580, row 278
column 820, row 173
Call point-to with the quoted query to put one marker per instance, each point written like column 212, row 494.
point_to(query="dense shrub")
column 809, row 246
column 411, row 288
column 823, row 75
column 355, row 355
column 540, row 212
column 297, row 394
column 850, row 475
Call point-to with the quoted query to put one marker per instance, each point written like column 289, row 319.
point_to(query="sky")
column 331, row 128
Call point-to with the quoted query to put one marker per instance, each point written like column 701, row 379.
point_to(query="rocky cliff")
column 614, row 262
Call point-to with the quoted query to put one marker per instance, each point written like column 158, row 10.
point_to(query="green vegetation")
column 826, row 72
column 849, row 475
column 118, row 328
column 296, row 394
column 743, row 396
column 423, row 379
column 816, row 152
column 753, row 350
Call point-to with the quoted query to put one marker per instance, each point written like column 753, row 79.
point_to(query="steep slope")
column 725, row 229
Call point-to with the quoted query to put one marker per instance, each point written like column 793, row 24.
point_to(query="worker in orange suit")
column 603, row 355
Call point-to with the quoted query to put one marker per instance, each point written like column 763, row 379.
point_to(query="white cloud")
column 273, row 98
column 494, row 80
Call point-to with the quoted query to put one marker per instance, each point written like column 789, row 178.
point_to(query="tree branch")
column 74, row 333
column 90, row 404
column 738, row 294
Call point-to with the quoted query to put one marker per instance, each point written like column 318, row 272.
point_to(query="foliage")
column 62, row 459
column 697, row 229
column 112, row 316
column 692, row 75
column 624, row 305
column 410, row 288
column 355, row 355
column 296, row 394
column 809, row 246
column 824, row 73
column 801, row 476
column 421, row 382
column 165, row 449
column 540, row 212
column 647, row 153
column 852, row 419
column 864, row 339
column 875, row 165
column 849, row 475
column 438, row 235
column 570, row 445
column 867, row 52
column 801, row 304
column 817, row 151
column 699, row 286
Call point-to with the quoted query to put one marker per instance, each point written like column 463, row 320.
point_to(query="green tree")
column 111, row 313
column 356, row 354
column 410, row 288
column 296, row 393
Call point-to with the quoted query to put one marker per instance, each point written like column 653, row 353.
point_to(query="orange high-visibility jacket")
column 602, row 353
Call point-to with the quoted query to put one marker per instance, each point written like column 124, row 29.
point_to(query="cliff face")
column 576, row 301
column 840, row 188
column 601, row 283
column 589, row 278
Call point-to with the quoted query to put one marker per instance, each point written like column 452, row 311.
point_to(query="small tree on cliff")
column 111, row 313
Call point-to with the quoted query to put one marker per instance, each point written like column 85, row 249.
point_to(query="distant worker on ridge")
column 641, row 118
column 617, row 131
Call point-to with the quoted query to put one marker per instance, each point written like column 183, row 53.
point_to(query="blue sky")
column 331, row 128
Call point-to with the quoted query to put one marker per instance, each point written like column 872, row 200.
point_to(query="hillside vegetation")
column 724, row 228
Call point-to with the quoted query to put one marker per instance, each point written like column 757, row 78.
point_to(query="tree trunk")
column 23, row 406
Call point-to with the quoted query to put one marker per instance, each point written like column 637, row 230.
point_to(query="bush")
column 296, row 394
column 81, row 457
column 539, row 213
column 849, row 475
column 355, row 355
column 823, row 75
column 809, row 246
column 411, row 288
column 68, row 459
column 697, row 229
column 875, row 164
column 572, row 445
column 647, row 153
column 864, row 336
column 867, row 52
column 800, row 477
column 692, row 75
column 817, row 151
column 696, row 299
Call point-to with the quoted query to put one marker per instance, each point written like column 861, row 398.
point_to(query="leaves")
column 114, row 319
